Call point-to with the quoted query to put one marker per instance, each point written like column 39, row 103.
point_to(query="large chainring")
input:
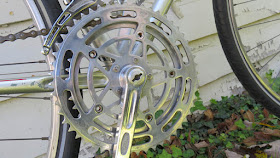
column 123, row 35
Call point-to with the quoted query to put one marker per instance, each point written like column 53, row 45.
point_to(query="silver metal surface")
column 74, row 8
column 43, row 84
column 162, row 6
column 67, row 2
column 162, row 92
column 55, row 118
column 132, row 79
column 39, row 23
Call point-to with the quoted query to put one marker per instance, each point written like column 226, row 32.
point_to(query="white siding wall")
column 215, row 75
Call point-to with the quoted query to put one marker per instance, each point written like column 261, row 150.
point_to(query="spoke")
column 20, row 139
column 18, row 73
column 244, row 2
column 269, row 61
column 263, row 42
column 28, row 28
column 22, row 63
column 240, row 28
column 42, row 98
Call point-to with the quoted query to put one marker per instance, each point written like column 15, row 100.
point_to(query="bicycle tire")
column 67, row 145
column 240, row 65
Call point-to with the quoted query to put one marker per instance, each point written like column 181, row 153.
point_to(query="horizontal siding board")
column 13, row 11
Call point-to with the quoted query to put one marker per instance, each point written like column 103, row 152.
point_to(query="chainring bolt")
column 135, row 60
column 172, row 74
column 98, row 108
column 92, row 54
column 119, row 90
column 140, row 35
column 116, row 68
column 149, row 117
column 150, row 76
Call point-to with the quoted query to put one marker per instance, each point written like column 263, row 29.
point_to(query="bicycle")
column 123, row 66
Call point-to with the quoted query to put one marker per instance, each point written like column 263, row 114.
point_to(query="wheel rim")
column 55, row 120
column 244, row 53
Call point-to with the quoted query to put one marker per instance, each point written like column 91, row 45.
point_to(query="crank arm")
column 132, row 79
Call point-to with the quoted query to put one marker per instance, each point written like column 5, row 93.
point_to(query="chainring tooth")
column 137, row 19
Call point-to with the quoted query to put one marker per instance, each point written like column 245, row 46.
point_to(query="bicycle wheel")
column 62, row 144
column 249, row 34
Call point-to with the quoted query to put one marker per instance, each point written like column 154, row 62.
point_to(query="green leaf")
column 165, row 145
column 197, row 95
column 176, row 152
column 150, row 154
column 229, row 145
column 140, row 124
column 224, row 98
column 188, row 153
column 242, row 135
column 202, row 151
column 158, row 113
column 240, row 124
column 98, row 151
column 201, row 156
column 211, row 140
column 274, row 121
column 213, row 101
column 183, row 142
column 198, row 105
column 165, row 154
column 209, row 124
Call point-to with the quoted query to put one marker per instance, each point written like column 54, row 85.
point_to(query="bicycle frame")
column 42, row 84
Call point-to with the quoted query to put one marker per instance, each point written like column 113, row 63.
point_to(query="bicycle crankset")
column 140, row 78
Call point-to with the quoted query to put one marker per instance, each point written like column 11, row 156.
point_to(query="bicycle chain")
column 23, row 35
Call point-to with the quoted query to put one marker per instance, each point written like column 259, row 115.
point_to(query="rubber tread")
column 236, row 61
